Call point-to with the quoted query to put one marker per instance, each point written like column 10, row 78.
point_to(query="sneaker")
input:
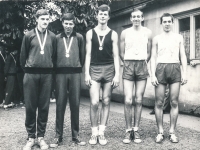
column 159, row 138
column 52, row 100
column 102, row 140
column 29, row 144
column 127, row 138
column 78, row 142
column 56, row 142
column 1, row 105
column 173, row 138
column 5, row 107
column 42, row 143
column 137, row 138
column 93, row 140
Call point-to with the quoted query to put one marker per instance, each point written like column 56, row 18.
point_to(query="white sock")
column 94, row 131
column 101, row 129
column 135, row 128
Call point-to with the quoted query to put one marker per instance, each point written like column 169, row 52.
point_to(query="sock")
column 135, row 128
column 127, row 130
column 95, row 131
column 101, row 129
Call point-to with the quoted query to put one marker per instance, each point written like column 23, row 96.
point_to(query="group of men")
column 42, row 51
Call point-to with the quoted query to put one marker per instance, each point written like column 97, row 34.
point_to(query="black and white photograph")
column 100, row 74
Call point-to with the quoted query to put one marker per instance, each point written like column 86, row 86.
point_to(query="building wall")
column 190, row 93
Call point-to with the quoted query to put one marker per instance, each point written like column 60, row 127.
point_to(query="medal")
column 100, row 48
column 67, row 48
column 67, row 55
column 41, row 45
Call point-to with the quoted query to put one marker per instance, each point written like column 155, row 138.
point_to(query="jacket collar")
column 64, row 35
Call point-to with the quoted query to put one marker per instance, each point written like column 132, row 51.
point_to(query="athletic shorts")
column 168, row 73
column 135, row 70
column 102, row 73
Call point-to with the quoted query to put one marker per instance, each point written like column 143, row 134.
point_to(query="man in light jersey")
column 135, row 46
column 167, row 52
column 101, row 69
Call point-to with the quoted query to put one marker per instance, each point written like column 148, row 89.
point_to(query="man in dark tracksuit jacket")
column 2, row 76
column 10, row 72
column 36, row 58
column 69, row 63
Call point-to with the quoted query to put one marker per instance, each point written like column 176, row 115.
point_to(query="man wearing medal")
column 37, row 57
column 167, row 53
column 69, row 62
column 101, row 70
column 135, row 46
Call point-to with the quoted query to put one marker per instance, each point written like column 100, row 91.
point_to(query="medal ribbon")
column 2, row 56
column 100, row 41
column 13, row 58
column 45, row 37
column 70, row 44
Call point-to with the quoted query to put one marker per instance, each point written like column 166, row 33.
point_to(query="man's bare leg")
column 128, row 100
column 159, row 102
column 174, row 94
column 94, row 103
column 139, row 92
column 106, row 91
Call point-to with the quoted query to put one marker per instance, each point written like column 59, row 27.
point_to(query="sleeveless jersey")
column 105, row 56
column 135, row 46
column 168, row 50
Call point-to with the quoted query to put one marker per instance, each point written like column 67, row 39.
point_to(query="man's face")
column 103, row 17
column 136, row 18
column 43, row 21
column 68, row 25
column 167, row 23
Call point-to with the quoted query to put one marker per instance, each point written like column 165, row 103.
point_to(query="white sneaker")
column 42, row 143
column 29, row 144
column 93, row 140
column 102, row 140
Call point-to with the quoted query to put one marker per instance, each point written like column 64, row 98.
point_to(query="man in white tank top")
column 167, row 48
column 135, row 46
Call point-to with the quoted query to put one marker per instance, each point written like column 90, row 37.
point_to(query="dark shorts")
column 102, row 73
column 135, row 70
column 168, row 73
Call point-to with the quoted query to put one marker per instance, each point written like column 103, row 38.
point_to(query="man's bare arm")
column 149, row 45
column 183, row 61
column 154, row 80
column 88, row 57
column 122, row 45
column 115, row 81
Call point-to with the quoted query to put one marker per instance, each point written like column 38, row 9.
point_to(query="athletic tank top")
column 135, row 46
column 104, row 56
column 168, row 50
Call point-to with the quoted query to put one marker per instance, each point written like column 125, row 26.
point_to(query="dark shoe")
column 137, row 138
column 78, row 142
column 159, row 138
column 173, row 138
column 153, row 112
column 127, row 138
column 56, row 142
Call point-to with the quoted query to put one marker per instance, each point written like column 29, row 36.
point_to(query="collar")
column 40, row 31
column 64, row 35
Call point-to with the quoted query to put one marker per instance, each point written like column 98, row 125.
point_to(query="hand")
column 88, row 80
column 183, row 80
column 115, row 82
column 154, row 81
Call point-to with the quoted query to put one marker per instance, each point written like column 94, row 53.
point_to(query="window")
column 188, row 25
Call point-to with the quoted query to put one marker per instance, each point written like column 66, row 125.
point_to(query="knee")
column 128, row 101
column 106, row 101
column 159, row 104
column 138, row 101
column 174, row 103
column 95, row 104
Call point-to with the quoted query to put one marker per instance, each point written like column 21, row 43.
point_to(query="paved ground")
column 13, row 134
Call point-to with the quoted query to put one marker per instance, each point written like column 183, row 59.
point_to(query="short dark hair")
column 166, row 15
column 135, row 10
column 104, row 7
column 68, row 16
column 41, row 12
